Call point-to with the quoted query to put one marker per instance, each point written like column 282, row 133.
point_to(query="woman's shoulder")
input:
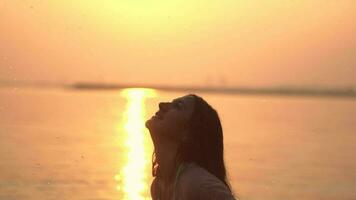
column 197, row 183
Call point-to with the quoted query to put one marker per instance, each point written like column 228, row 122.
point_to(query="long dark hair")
column 204, row 143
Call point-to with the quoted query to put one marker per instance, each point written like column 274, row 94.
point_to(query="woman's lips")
column 158, row 115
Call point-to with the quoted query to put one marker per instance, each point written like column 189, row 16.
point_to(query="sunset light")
column 86, row 92
column 133, row 177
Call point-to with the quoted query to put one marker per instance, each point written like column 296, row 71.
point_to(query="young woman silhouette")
column 188, row 162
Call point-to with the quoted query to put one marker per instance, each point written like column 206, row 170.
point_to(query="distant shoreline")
column 281, row 91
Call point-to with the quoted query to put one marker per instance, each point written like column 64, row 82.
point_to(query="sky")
column 180, row 42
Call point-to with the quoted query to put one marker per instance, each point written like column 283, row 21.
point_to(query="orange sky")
column 251, row 42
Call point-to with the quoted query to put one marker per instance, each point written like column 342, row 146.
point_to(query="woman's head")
column 194, row 125
column 169, row 124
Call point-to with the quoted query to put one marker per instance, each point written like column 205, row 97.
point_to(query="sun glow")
column 134, row 177
column 132, row 18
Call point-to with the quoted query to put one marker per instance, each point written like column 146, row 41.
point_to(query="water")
column 62, row 144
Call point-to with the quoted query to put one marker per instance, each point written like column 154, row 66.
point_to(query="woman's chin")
column 150, row 123
column 154, row 129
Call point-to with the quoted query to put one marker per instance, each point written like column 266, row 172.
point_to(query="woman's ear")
column 184, row 138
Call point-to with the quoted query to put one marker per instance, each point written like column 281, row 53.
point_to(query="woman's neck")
column 166, row 154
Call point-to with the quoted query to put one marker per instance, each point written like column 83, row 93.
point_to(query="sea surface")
column 70, row 144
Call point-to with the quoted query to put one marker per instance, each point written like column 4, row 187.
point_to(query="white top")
column 196, row 183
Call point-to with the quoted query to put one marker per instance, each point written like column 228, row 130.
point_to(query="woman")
column 188, row 159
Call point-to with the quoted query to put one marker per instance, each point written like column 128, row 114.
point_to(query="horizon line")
column 231, row 90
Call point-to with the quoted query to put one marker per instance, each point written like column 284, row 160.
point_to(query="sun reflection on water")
column 133, row 178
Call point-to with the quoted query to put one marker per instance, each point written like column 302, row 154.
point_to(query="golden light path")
column 134, row 176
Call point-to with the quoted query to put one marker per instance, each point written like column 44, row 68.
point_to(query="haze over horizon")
column 225, row 43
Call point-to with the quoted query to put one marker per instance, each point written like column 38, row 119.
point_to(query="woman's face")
column 171, row 119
